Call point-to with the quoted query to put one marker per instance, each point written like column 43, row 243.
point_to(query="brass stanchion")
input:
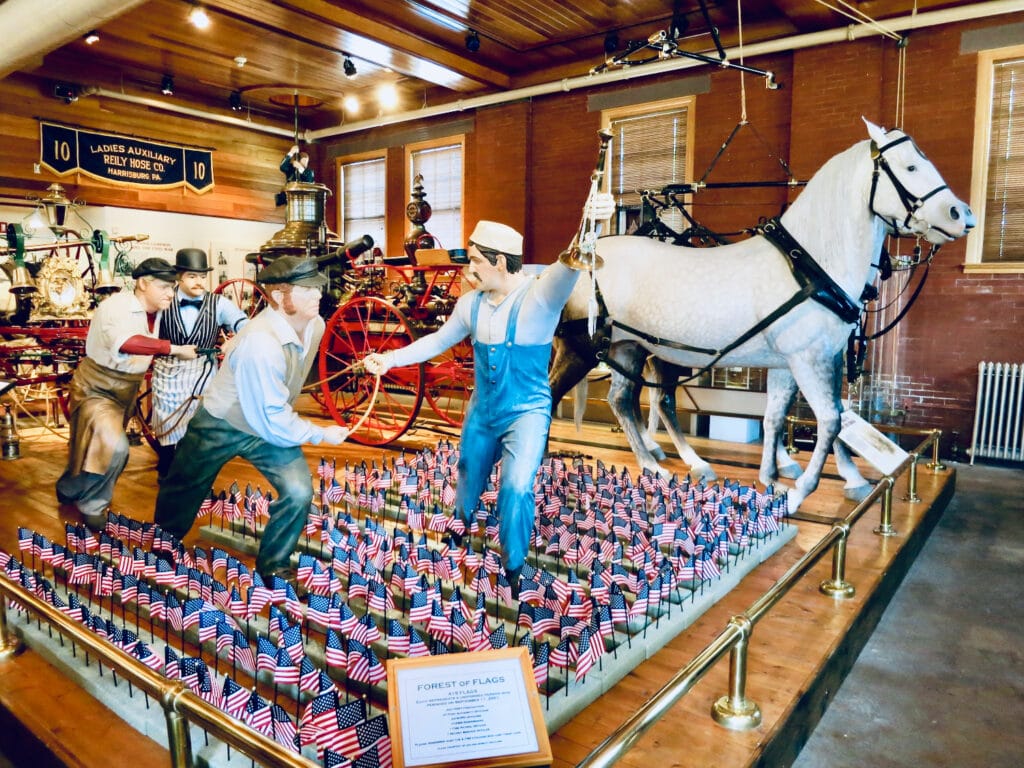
column 179, row 740
column 884, row 528
column 790, row 436
column 838, row 587
column 735, row 711
column 936, row 465
column 912, row 496
column 9, row 642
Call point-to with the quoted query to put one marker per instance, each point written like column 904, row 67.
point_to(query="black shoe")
column 513, row 580
column 285, row 573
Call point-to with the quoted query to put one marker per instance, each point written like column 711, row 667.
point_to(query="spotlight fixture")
column 92, row 37
column 611, row 42
column 236, row 101
column 349, row 67
column 472, row 41
column 167, row 86
column 198, row 17
column 66, row 92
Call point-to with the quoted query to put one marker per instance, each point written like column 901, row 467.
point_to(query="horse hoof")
column 858, row 493
column 658, row 453
column 791, row 471
column 703, row 472
column 793, row 500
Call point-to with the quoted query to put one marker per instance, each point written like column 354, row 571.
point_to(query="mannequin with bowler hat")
column 195, row 316
column 123, row 337
column 247, row 412
column 511, row 318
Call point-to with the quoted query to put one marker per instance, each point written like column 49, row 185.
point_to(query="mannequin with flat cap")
column 511, row 319
column 122, row 340
column 247, row 412
column 197, row 317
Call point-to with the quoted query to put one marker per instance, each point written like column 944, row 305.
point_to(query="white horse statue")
column 748, row 304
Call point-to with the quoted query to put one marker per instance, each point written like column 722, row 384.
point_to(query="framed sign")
column 466, row 709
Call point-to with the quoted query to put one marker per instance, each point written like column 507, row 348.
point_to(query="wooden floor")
column 798, row 653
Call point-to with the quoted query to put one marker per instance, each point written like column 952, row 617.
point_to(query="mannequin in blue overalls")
column 511, row 318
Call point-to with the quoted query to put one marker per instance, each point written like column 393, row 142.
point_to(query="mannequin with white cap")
column 511, row 318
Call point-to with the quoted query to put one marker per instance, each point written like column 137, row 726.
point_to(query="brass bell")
column 10, row 443
column 21, row 281
column 105, row 282
column 574, row 258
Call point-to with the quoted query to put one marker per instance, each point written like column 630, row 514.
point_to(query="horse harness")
column 815, row 283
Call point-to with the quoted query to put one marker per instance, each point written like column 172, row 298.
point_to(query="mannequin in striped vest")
column 196, row 316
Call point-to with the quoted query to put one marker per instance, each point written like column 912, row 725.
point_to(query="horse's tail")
column 579, row 402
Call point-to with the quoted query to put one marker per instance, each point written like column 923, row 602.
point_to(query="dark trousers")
column 207, row 446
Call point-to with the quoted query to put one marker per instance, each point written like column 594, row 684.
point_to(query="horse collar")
column 813, row 279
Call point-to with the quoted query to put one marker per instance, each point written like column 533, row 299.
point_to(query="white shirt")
column 117, row 318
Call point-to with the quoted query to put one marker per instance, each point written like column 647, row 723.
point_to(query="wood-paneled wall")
column 245, row 163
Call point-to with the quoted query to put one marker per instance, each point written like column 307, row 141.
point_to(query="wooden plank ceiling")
column 299, row 47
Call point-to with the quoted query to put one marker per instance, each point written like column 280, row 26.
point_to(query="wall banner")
column 124, row 160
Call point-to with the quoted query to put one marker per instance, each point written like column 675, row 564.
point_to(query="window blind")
column 362, row 185
column 1004, row 211
column 649, row 151
column 441, row 169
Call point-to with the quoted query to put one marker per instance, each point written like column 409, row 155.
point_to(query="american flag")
column 398, row 639
column 233, row 697
column 257, row 712
column 541, row 659
column 360, row 737
column 417, row 647
column 320, row 716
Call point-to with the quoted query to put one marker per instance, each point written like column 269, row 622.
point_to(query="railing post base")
column 884, row 530
column 9, row 650
column 837, row 588
column 736, row 716
column 10, row 643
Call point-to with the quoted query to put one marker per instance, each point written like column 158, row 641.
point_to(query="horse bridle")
column 911, row 203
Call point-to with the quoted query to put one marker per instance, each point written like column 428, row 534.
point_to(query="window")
column 650, row 149
column 440, row 165
column 361, row 186
column 997, row 245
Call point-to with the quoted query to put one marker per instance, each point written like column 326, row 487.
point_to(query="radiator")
column 998, row 432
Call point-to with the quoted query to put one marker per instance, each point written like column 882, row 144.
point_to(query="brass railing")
column 734, row 710
column 180, row 705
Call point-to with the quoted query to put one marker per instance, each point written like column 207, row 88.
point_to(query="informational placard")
column 870, row 444
column 467, row 709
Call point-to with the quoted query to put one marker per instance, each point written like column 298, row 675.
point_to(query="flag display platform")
column 564, row 696
column 798, row 653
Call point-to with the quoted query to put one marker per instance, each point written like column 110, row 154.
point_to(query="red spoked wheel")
column 449, row 383
column 246, row 295
column 143, row 416
column 363, row 325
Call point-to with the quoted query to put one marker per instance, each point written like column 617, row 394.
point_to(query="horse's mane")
column 832, row 214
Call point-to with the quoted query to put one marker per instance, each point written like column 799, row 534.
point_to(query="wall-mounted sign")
column 124, row 159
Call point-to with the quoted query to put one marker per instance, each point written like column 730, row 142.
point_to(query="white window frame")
column 979, row 175
column 608, row 116
column 380, row 155
column 458, row 238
